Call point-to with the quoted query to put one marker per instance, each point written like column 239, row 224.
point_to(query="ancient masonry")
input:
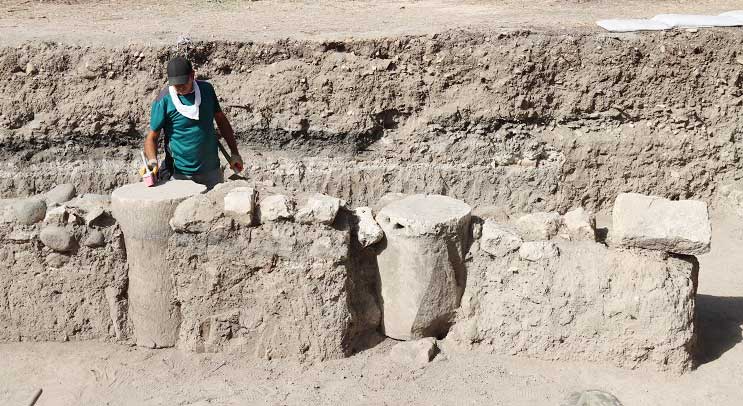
column 264, row 272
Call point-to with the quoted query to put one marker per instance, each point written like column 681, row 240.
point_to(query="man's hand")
column 236, row 162
column 152, row 166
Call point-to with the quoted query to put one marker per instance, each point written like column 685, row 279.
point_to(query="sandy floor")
column 90, row 373
column 135, row 21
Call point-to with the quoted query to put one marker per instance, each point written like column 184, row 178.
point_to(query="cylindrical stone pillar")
column 143, row 214
column 421, row 264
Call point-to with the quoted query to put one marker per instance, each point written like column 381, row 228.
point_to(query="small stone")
column 29, row 211
column 368, row 230
column 93, row 214
column 56, row 260
column 591, row 398
column 538, row 250
column 651, row 222
column 579, row 225
column 31, row 69
column 94, row 239
column 194, row 215
column 57, row 238
column 276, row 207
column 59, row 194
column 414, row 354
column 21, row 234
column 239, row 204
column 499, row 240
column 57, row 216
column 319, row 209
column 538, row 226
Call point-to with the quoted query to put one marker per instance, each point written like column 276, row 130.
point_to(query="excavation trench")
column 508, row 122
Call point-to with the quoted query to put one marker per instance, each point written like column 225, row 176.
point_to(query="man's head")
column 181, row 75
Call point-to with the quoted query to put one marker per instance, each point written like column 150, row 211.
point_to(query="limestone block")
column 421, row 265
column 143, row 214
column 29, row 211
column 538, row 226
column 59, row 194
column 320, row 209
column 368, row 231
column 414, row 354
column 220, row 191
column 579, row 225
column 651, row 222
column 499, row 240
column 57, row 238
column 194, row 215
column 538, row 250
column 239, row 204
column 629, row 307
column 276, row 207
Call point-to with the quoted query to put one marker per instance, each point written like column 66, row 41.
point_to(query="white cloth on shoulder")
column 191, row 112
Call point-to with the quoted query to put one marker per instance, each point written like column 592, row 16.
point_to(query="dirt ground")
column 135, row 21
column 91, row 373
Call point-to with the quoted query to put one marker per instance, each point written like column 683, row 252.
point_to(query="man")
column 185, row 112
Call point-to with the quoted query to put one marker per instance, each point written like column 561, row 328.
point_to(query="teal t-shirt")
column 192, row 143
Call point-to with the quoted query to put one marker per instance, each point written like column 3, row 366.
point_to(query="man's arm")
column 225, row 130
column 150, row 145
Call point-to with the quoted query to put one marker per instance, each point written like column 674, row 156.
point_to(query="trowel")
column 236, row 169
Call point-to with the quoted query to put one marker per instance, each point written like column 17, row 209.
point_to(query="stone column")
column 421, row 264
column 143, row 214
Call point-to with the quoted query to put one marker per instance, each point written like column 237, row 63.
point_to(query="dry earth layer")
column 528, row 120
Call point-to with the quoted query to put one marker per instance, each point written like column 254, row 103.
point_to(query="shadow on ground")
column 719, row 321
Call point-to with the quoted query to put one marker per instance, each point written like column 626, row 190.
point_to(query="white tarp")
column 737, row 14
column 669, row 21
column 632, row 24
column 694, row 21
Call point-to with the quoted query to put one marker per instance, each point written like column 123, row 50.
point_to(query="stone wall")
column 264, row 272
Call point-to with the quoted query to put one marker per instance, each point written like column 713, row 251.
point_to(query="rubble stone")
column 57, row 238
column 421, row 267
column 579, row 225
column 94, row 239
column 538, row 226
column 368, row 231
column 59, row 194
column 320, row 209
column 276, row 207
column 29, row 211
column 194, row 215
column 499, row 240
column 414, row 354
column 239, row 204
column 56, row 216
column 143, row 214
column 538, row 250
column 655, row 223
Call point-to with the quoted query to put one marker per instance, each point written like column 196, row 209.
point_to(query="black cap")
column 179, row 70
